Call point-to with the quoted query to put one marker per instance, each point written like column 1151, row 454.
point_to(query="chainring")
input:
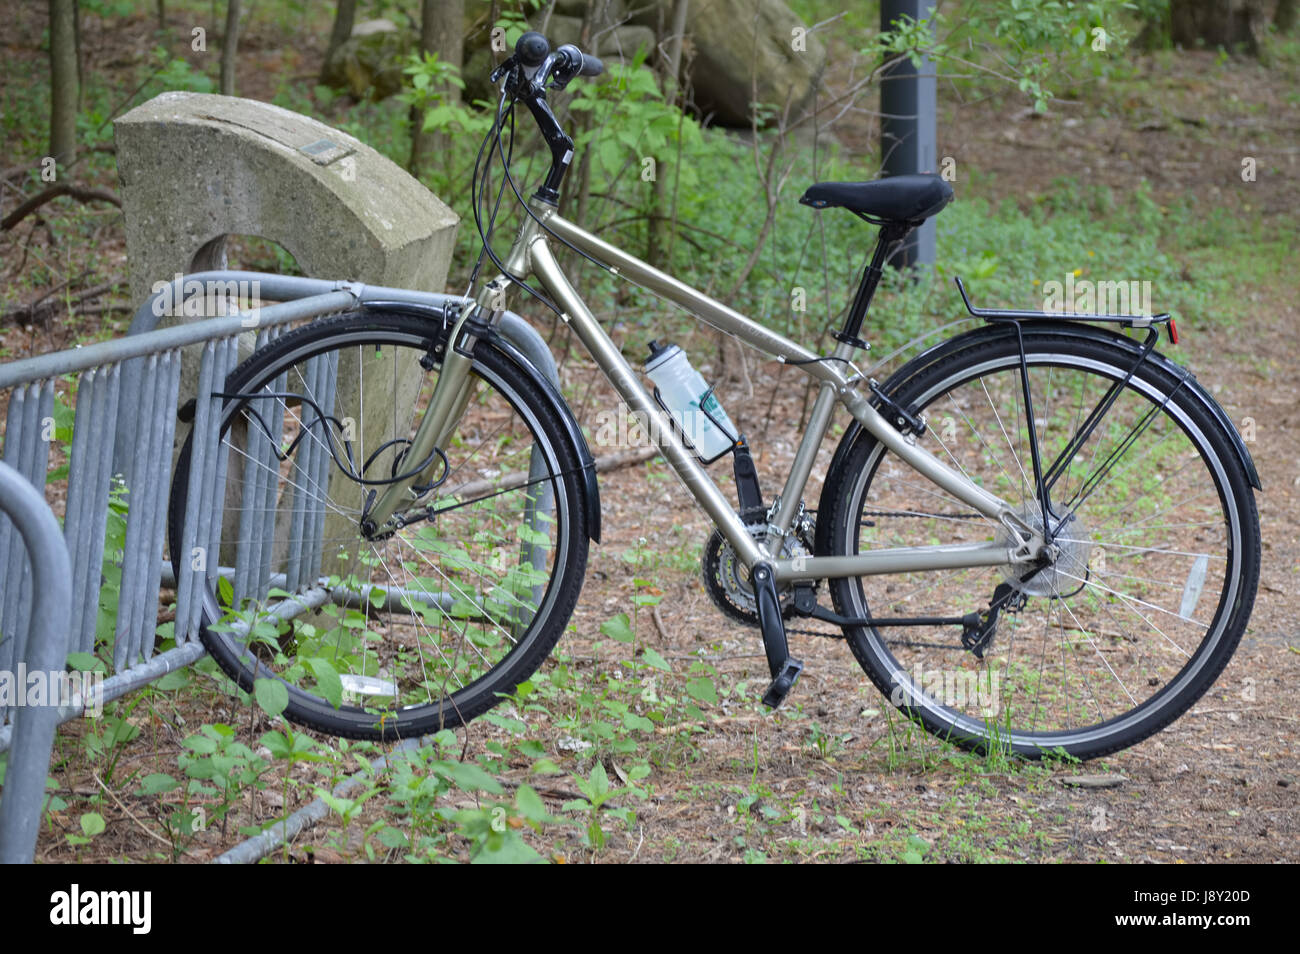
column 725, row 578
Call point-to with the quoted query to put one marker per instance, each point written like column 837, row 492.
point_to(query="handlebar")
column 590, row 65
column 533, row 54
column 529, row 73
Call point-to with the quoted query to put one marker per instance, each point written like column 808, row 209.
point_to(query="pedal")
column 785, row 670
column 782, row 684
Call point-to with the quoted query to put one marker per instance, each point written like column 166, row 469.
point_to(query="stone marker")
column 196, row 168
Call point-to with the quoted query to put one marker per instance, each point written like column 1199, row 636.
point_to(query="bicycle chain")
column 894, row 513
column 921, row 513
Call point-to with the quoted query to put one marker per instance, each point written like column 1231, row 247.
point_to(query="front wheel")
column 418, row 630
column 1155, row 521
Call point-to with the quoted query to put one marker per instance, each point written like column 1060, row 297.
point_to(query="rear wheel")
column 1157, row 530
column 424, row 628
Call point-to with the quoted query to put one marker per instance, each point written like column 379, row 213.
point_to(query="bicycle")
column 1058, row 519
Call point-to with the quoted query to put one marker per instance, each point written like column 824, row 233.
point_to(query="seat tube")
column 805, row 457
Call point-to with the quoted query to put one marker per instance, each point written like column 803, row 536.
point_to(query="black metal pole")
column 907, row 125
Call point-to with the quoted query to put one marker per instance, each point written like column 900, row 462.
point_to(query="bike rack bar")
column 44, row 649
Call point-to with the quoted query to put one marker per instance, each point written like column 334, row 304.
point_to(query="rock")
column 613, row 42
column 369, row 63
column 1093, row 781
column 622, row 44
column 738, row 41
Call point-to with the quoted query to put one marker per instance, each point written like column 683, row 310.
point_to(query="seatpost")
column 890, row 233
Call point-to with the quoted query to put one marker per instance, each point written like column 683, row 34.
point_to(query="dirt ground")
column 1220, row 784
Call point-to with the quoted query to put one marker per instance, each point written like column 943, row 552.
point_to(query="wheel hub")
column 1068, row 558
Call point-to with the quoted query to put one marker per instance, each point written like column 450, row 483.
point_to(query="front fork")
column 453, row 390
column 451, row 395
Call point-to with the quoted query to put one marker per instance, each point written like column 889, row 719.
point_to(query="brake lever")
column 569, row 59
column 502, row 69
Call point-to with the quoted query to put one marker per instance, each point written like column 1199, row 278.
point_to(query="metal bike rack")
column 123, row 436
column 313, row 298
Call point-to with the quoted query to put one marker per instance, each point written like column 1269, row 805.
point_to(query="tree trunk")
column 76, row 35
column 229, row 47
column 63, row 81
column 581, row 173
column 345, row 15
column 441, row 23
column 1215, row 23
column 1284, row 16
column 659, row 226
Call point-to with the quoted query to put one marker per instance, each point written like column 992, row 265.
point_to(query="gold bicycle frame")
column 531, row 255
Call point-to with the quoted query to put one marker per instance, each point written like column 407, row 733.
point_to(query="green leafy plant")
column 1031, row 42
column 597, row 791
column 219, row 767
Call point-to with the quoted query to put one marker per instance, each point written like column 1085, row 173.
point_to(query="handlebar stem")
column 533, row 94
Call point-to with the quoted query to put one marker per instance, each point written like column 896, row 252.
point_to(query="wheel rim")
column 417, row 626
column 977, row 413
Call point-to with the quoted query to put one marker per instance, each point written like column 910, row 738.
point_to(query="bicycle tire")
column 418, row 620
column 1116, row 633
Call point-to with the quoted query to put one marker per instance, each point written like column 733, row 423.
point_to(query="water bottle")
column 680, row 389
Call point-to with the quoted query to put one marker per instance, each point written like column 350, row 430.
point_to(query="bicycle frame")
column 531, row 255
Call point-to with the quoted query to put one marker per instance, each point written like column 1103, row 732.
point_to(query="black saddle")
column 909, row 199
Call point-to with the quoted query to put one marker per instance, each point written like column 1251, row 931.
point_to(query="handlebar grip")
column 531, row 49
column 591, row 66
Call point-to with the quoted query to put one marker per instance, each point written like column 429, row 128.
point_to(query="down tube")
column 620, row 374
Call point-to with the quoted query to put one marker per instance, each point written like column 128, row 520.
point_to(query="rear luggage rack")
column 1126, row 321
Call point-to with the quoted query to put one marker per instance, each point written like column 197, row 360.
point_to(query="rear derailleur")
column 978, row 629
